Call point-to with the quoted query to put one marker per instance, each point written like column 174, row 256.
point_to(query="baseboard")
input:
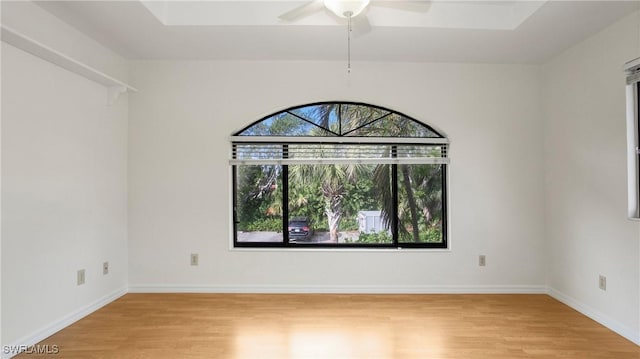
column 63, row 322
column 346, row 289
column 596, row 315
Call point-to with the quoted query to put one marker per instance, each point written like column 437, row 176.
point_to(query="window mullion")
column 234, row 174
column 394, row 197
column 637, row 146
column 285, row 196
column 444, row 208
column 340, row 120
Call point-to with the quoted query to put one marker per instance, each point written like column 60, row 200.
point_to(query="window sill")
column 333, row 249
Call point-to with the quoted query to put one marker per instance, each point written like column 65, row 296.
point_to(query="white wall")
column 585, row 179
column 64, row 195
column 64, row 163
column 180, row 185
column 1, row 341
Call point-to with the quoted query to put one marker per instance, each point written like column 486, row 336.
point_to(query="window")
column 339, row 174
column 633, row 135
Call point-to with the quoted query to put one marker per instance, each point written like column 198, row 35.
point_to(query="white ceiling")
column 451, row 31
column 488, row 15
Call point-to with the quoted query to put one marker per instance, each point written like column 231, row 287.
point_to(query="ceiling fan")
column 352, row 9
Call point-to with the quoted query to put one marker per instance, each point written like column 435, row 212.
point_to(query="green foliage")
column 360, row 196
column 305, row 200
column 329, row 194
column 349, row 224
column 379, row 237
column 287, row 125
column 283, row 124
column 273, row 224
column 427, row 235
column 420, row 189
column 431, row 235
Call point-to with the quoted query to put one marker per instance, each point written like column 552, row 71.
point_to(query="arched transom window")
column 338, row 174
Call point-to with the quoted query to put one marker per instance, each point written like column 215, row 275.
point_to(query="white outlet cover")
column 602, row 282
column 482, row 260
column 81, row 277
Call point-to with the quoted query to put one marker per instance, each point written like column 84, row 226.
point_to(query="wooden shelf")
column 25, row 43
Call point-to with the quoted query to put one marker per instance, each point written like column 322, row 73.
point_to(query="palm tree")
column 418, row 184
column 331, row 180
column 362, row 118
column 413, row 210
column 412, row 178
column 428, row 183
column 383, row 179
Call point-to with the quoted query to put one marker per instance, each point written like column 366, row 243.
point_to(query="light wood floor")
column 337, row 326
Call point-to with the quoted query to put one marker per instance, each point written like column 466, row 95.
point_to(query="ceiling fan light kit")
column 346, row 8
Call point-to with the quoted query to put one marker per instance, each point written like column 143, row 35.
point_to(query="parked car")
column 300, row 228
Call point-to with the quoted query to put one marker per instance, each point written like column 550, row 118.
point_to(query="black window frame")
column 637, row 144
column 342, row 139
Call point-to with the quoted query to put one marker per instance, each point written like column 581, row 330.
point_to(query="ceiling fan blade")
column 360, row 25
column 408, row 5
column 302, row 11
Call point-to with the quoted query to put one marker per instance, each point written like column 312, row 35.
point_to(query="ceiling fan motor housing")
column 346, row 8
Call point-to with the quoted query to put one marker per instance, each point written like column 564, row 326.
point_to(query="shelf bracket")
column 113, row 93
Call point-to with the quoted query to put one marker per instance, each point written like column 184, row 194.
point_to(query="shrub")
column 348, row 224
column 263, row 225
column 431, row 235
column 380, row 237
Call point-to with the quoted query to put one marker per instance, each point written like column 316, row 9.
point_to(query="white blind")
column 632, row 69
column 409, row 151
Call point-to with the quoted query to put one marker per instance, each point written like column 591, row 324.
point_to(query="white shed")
column 371, row 222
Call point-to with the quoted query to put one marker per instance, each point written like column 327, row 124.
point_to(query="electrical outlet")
column 80, row 277
column 602, row 282
column 482, row 260
column 194, row 259
column 105, row 268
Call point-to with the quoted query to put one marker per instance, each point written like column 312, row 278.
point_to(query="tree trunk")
column 412, row 202
column 334, row 215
